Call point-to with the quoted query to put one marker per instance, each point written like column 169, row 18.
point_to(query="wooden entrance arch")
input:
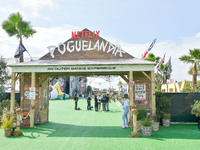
column 75, row 57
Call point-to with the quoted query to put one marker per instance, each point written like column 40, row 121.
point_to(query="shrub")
column 142, row 114
column 162, row 104
column 147, row 122
column 195, row 108
column 166, row 116
column 7, row 119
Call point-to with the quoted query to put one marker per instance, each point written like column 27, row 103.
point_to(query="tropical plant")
column 147, row 122
column 4, row 76
column 7, row 119
column 142, row 114
column 160, row 75
column 16, row 26
column 166, row 116
column 162, row 104
column 195, row 108
column 153, row 58
column 193, row 58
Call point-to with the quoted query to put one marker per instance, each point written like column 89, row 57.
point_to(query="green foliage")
column 162, row 104
column 188, row 88
column 16, row 26
column 151, row 57
column 195, row 108
column 6, row 104
column 1, row 109
column 147, row 122
column 166, row 116
column 142, row 114
column 192, row 58
column 7, row 124
column 7, row 119
column 4, row 77
column 160, row 75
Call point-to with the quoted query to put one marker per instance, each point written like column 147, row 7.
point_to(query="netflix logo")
column 85, row 34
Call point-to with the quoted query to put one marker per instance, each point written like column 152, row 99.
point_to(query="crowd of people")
column 103, row 101
column 100, row 101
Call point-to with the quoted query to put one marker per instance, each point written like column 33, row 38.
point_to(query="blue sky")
column 130, row 23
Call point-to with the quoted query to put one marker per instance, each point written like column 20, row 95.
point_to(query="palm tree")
column 194, row 58
column 16, row 26
column 153, row 58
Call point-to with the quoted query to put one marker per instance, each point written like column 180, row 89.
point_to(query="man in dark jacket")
column 76, row 100
column 107, row 102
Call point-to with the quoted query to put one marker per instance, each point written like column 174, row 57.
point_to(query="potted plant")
column 195, row 109
column 7, row 122
column 142, row 114
column 162, row 105
column 155, row 125
column 166, row 120
column 147, row 127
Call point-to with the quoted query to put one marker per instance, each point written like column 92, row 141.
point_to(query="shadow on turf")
column 53, row 129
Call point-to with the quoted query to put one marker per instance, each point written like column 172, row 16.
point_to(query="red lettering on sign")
column 74, row 35
column 97, row 34
column 82, row 33
column 86, row 33
column 78, row 37
column 90, row 34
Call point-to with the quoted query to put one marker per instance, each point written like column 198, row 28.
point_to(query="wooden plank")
column 146, row 75
column 125, row 79
column 52, row 79
column 18, row 76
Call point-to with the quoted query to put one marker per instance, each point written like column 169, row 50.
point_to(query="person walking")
column 76, row 100
column 125, row 105
column 107, row 102
column 103, row 101
column 99, row 97
column 95, row 102
column 89, row 103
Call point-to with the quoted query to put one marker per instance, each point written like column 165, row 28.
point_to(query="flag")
column 150, row 47
column 161, row 62
column 20, row 50
column 169, row 69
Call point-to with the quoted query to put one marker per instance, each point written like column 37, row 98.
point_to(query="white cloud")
column 172, row 49
column 37, row 46
column 36, row 5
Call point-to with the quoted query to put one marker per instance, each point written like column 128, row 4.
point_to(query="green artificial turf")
column 69, row 129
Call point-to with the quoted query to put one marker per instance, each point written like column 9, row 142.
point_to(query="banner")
column 140, row 91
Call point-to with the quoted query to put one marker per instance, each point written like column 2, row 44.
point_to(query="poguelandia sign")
column 82, row 41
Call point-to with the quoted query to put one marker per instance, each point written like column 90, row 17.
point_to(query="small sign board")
column 140, row 91
column 32, row 93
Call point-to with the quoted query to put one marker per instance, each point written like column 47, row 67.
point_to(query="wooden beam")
column 52, row 79
column 32, row 107
column 146, row 75
column 44, row 78
column 125, row 79
column 18, row 76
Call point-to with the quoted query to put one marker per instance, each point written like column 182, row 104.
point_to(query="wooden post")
column 133, row 120
column 22, row 92
column 12, row 102
column 32, row 107
column 131, row 87
column 153, row 93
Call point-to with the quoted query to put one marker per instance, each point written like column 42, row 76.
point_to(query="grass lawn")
column 68, row 129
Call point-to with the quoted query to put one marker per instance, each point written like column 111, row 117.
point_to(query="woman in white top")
column 125, row 105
